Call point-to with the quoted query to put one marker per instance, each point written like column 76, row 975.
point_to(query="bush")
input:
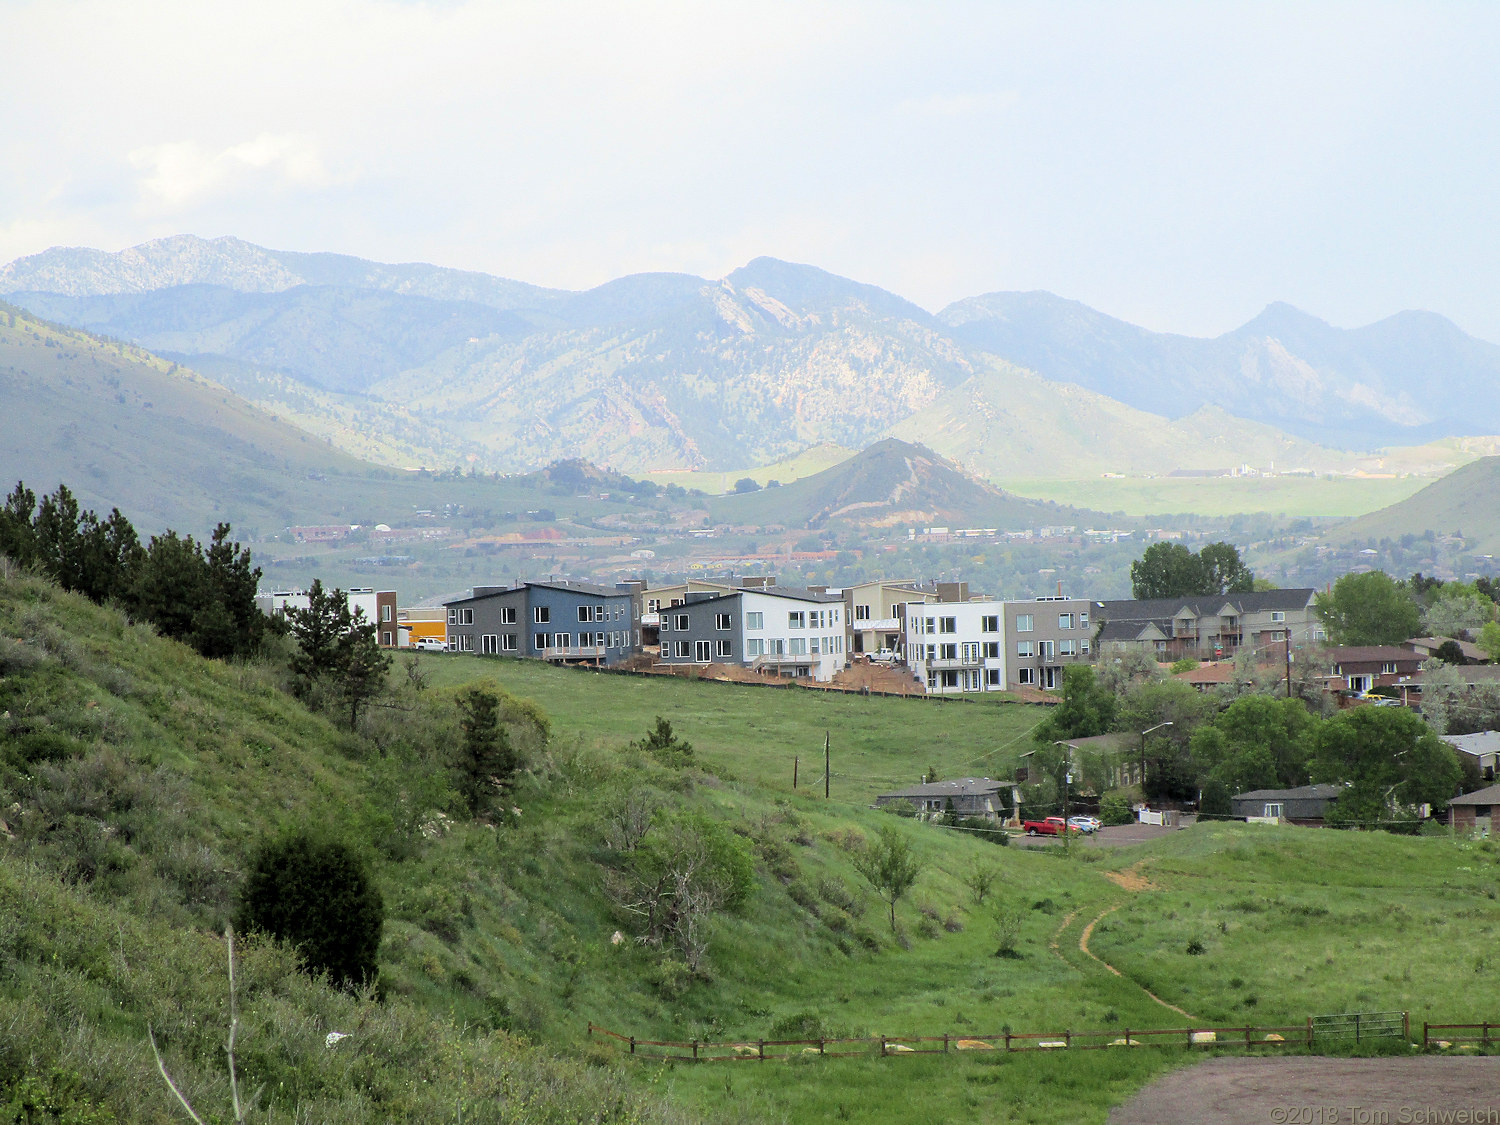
column 317, row 896
column 900, row 807
column 1114, row 808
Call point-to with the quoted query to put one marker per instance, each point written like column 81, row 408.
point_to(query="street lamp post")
column 1067, row 783
column 1144, row 733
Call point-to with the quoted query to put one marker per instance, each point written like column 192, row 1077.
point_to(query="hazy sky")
column 1178, row 165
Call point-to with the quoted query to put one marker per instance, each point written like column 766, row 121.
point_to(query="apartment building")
column 780, row 630
column 658, row 599
column 1213, row 627
column 564, row 622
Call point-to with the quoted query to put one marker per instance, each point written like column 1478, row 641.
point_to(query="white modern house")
column 957, row 646
column 378, row 608
column 780, row 630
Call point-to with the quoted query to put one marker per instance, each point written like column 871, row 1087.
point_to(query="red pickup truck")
column 1052, row 826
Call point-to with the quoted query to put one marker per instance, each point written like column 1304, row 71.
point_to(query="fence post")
column 1424, row 1035
column 1486, row 1026
column 1067, row 1038
column 945, row 1042
column 1309, row 1031
column 695, row 1050
column 882, row 1046
column 1007, row 1039
column 822, row 1046
column 1247, row 1035
column 591, row 1029
column 632, row 1044
column 1356, row 1027
column 1406, row 1026
column 1127, row 1037
column 762, row 1046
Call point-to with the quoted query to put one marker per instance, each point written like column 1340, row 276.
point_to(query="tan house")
column 876, row 613
column 1475, row 811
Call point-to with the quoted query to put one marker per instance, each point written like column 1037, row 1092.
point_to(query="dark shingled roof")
column 1490, row 796
column 1301, row 793
column 964, row 787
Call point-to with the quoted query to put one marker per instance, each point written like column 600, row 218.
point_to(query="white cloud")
column 182, row 173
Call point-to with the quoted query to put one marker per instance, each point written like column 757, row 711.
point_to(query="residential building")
column 1426, row 647
column 564, row 622
column 424, row 623
column 1360, row 668
column 876, row 611
column 1482, row 748
column 1306, row 804
column 373, row 607
column 1043, row 636
column 955, row 647
column 781, row 630
column 1475, row 811
column 1212, row 627
column 653, row 601
column 969, row 796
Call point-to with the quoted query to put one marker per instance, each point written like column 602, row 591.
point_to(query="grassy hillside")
column 143, row 776
column 804, row 464
column 1460, row 503
column 1289, row 497
column 891, row 482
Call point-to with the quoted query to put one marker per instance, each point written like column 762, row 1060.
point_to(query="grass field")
column 1293, row 497
column 804, row 464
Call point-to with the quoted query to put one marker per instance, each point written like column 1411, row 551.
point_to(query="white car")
column 1088, row 824
column 430, row 644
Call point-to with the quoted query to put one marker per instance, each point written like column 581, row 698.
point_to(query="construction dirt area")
column 1321, row 1091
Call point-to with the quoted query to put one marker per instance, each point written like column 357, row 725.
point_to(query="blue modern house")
column 565, row 622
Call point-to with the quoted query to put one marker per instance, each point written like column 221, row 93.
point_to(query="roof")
column 1488, row 796
column 1483, row 742
column 794, row 593
column 963, row 787
column 1468, row 673
column 589, row 588
column 1301, row 793
column 1208, row 605
column 1370, row 654
column 1470, row 650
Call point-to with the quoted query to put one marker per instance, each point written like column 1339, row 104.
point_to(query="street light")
column 1067, row 781
column 1144, row 733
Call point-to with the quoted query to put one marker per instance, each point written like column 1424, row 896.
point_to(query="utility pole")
column 827, row 768
column 796, row 760
column 1289, row 663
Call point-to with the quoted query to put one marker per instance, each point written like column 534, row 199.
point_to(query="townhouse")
column 1211, row 627
column 374, row 607
column 876, row 611
column 781, row 630
column 564, row 622
column 957, row 646
column 1045, row 635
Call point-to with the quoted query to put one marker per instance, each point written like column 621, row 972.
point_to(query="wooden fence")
column 1483, row 1037
column 885, row 1046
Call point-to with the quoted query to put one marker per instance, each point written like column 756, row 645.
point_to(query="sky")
column 1178, row 165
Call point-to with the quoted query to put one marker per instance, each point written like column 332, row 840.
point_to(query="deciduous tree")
column 1368, row 609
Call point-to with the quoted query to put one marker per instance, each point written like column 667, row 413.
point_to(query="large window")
column 680, row 622
column 1067, row 648
column 1026, row 676
column 861, row 613
column 948, row 651
column 541, row 614
column 970, row 654
column 1025, row 648
column 797, row 646
column 989, row 624
column 947, row 625
column 562, row 640
column 585, row 613
column 992, row 650
column 754, row 647
column 1064, row 620
column 507, row 615
column 508, row 642
column 755, row 620
column 724, row 648
column 1023, row 622
column 722, row 621
column 466, row 617
column 684, row 649
column 539, row 641
column 489, row 644
column 796, row 619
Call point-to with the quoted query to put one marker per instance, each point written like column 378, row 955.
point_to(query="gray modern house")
column 565, row 622
column 780, row 630
column 969, row 796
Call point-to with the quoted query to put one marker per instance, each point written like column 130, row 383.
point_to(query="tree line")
column 202, row 594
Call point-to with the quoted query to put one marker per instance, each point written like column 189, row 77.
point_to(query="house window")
column 990, row 624
column 1064, row 620
column 680, row 622
column 507, row 615
column 684, row 649
column 539, row 641
column 970, row 654
column 508, row 642
column 385, row 639
column 385, row 613
column 585, row 613
column 1083, row 647
column 1067, row 648
column 814, row 646
column 721, row 621
column 754, row 647
column 466, row 617
column 1023, row 622
column 1277, row 617
column 797, row 620
column 797, row 646
column 1083, row 621
column 653, row 605
column 489, row 644
column 466, row 642
column 1025, row 648
column 861, row 613
column 453, row 617
column 949, row 678
column 992, row 677
column 600, row 613
column 755, row 620
column 1026, row 676
column 562, row 640
column 1047, row 649
column 723, row 648
column 1273, row 810
column 992, row 650
column 948, row 652
column 1388, row 668
column 541, row 615
column 947, row 625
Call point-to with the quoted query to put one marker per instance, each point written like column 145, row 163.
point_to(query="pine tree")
column 487, row 762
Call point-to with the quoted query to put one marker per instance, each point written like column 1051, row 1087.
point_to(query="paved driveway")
column 1110, row 837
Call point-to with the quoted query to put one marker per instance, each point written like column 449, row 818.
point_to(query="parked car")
column 1089, row 824
column 1052, row 826
column 430, row 644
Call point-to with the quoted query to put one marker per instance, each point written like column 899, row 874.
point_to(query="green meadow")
column 1290, row 497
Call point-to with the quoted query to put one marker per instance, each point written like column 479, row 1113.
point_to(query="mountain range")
column 417, row 364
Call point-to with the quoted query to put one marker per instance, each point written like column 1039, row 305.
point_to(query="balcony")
column 881, row 625
column 945, row 665
column 574, row 652
column 777, row 660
